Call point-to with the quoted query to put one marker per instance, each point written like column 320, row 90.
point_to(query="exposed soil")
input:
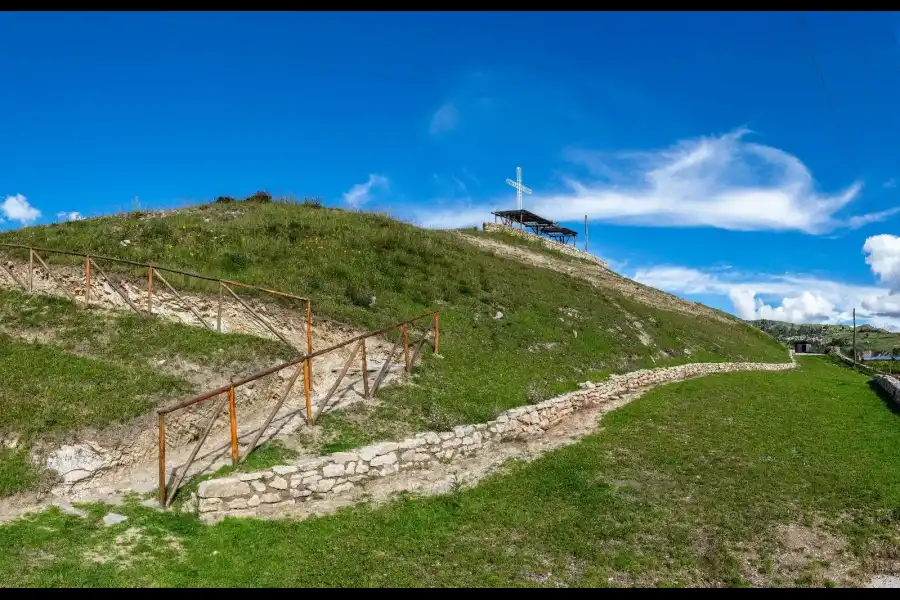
column 120, row 458
column 600, row 277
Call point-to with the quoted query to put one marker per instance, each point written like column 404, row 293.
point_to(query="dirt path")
column 600, row 277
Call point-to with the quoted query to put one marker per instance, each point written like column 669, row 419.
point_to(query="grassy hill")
column 511, row 333
column 867, row 336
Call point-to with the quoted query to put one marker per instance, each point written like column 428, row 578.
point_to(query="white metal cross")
column 519, row 187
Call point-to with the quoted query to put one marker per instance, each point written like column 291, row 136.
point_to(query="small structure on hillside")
column 537, row 224
column 804, row 346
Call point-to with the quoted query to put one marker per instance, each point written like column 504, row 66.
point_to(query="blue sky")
column 748, row 161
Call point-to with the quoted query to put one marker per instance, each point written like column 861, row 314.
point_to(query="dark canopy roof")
column 535, row 222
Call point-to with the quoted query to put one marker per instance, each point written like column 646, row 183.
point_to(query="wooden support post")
column 365, row 369
column 114, row 284
column 435, row 326
column 150, row 290
column 323, row 403
column 274, row 411
column 233, row 416
column 309, row 419
column 309, row 345
column 219, row 314
column 183, row 301
column 162, row 461
column 406, row 348
column 187, row 464
column 30, row 271
column 87, row 281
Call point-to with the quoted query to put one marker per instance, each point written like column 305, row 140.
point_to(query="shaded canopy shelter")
column 536, row 224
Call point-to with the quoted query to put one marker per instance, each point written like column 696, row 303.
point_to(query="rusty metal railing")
column 227, row 393
column 154, row 272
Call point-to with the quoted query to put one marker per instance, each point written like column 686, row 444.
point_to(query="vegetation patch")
column 787, row 478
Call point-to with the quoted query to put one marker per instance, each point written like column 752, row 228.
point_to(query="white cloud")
column 69, row 216
column 793, row 298
column 444, row 119
column 361, row 193
column 883, row 257
column 724, row 182
column 17, row 208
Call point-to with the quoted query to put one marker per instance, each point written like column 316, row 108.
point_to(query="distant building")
column 807, row 347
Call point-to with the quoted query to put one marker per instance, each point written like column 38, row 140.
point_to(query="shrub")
column 260, row 197
column 358, row 296
column 234, row 262
column 224, row 199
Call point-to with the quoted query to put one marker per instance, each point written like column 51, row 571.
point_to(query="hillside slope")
column 511, row 333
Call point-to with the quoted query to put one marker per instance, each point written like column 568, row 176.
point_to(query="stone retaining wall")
column 890, row 384
column 327, row 477
column 570, row 250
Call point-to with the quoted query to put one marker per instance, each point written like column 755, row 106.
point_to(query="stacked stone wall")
column 328, row 477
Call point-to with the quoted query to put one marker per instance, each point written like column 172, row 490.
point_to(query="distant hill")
column 867, row 336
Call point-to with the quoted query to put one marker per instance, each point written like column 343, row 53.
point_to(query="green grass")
column 18, row 473
column 81, row 391
column 343, row 259
column 677, row 489
column 128, row 338
column 93, row 369
column 46, row 392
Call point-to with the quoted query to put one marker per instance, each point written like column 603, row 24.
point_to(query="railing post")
column 309, row 348
column 365, row 369
column 162, row 461
column 219, row 313
column 87, row 280
column 406, row 348
column 306, row 370
column 434, row 324
column 150, row 290
column 30, row 271
column 233, row 416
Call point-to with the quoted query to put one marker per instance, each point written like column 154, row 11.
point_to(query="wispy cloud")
column 69, row 216
column 16, row 208
column 361, row 193
column 795, row 298
column 444, row 119
column 725, row 182
column 451, row 186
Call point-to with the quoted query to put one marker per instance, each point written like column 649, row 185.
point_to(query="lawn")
column 689, row 485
